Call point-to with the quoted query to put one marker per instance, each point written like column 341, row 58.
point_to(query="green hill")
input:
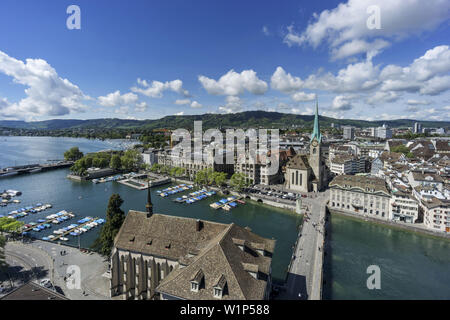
column 236, row 120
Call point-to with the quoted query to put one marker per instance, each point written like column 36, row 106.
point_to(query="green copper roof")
column 316, row 132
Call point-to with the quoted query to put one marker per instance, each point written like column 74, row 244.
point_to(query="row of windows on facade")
column 365, row 209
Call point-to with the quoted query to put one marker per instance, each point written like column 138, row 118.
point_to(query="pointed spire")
column 316, row 130
column 149, row 205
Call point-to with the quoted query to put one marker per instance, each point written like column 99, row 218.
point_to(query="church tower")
column 149, row 205
column 315, row 152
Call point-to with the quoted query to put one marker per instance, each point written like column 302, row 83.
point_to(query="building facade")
column 365, row 196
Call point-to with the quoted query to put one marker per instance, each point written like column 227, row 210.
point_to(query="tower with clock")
column 315, row 153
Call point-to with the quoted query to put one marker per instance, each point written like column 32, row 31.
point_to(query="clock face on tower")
column 314, row 143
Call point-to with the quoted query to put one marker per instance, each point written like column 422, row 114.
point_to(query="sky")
column 138, row 59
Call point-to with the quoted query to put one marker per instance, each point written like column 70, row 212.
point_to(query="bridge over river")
column 304, row 278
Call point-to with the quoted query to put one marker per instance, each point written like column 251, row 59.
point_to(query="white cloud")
column 46, row 92
column 265, row 30
column 156, row 88
column 195, row 104
column 413, row 102
column 179, row 113
column 345, row 30
column 302, row 96
column 115, row 99
column 141, row 107
column 285, row 82
column 342, row 103
column 359, row 46
column 122, row 110
column 183, row 101
column 234, row 84
column 382, row 97
column 426, row 75
column 233, row 105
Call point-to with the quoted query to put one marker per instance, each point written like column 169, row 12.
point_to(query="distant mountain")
column 237, row 120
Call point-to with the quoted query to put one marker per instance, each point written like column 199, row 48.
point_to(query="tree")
column 131, row 160
column 11, row 225
column 238, row 181
column 114, row 219
column 220, row 178
column 3, row 264
column 73, row 154
column 115, row 163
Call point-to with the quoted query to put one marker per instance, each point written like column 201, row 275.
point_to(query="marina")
column 173, row 190
column 195, row 196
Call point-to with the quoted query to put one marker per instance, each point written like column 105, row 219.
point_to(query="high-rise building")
column 417, row 127
column 349, row 133
column 384, row 132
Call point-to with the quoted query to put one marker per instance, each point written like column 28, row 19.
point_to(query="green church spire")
column 316, row 131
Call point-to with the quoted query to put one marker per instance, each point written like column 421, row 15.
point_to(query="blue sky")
column 147, row 59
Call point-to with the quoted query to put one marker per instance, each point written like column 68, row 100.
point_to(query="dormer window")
column 217, row 293
column 197, row 281
column 220, row 287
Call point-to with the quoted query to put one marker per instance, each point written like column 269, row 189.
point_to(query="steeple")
column 149, row 205
column 316, row 131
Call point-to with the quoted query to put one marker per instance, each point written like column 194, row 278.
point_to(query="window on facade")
column 296, row 177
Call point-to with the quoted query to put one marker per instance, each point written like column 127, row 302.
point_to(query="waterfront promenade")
column 304, row 279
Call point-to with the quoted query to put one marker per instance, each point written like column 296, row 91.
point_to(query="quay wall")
column 393, row 224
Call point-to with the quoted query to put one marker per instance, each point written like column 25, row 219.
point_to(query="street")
column 43, row 260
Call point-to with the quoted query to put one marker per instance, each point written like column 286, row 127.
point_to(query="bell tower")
column 315, row 150
column 149, row 205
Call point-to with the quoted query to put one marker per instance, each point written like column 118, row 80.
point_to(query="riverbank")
column 393, row 225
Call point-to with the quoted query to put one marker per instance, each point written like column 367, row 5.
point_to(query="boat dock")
column 56, row 237
column 173, row 190
column 195, row 196
column 226, row 202
column 48, row 220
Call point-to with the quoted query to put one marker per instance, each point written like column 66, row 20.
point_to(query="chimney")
column 198, row 225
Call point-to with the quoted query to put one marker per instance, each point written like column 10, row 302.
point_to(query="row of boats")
column 227, row 204
column 108, row 179
column 195, row 196
column 43, row 224
column 7, row 196
column 173, row 190
column 75, row 229
column 23, row 212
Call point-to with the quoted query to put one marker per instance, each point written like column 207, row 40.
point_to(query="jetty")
column 33, row 168
column 30, row 226
column 223, row 203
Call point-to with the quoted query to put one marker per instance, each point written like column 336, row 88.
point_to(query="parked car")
column 46, row 283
